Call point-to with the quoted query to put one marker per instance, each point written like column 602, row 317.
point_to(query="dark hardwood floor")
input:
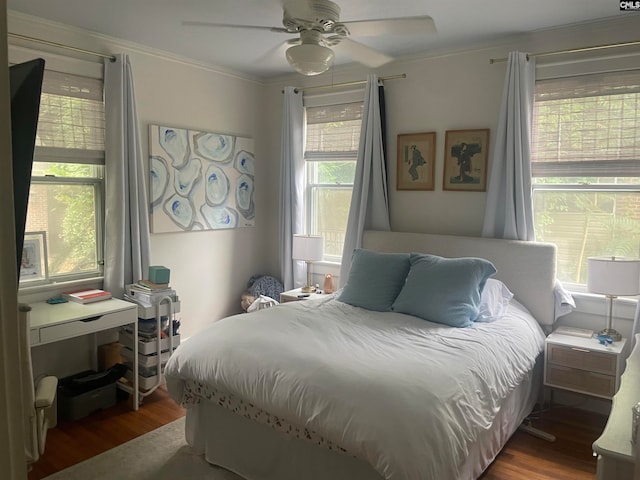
column 524, row 457
column 568, row 458
column 72, row 442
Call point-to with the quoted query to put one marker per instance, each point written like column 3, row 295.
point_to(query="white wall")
column 456, row 90
column 209, row 269
column 447, row 91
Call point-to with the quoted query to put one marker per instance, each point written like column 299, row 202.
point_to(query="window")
column 331, row 151
column 66, row 195
column 586, row 168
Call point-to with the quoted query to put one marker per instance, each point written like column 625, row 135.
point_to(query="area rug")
column 162, row 454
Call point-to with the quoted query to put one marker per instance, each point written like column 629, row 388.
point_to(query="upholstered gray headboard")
column 527, row 268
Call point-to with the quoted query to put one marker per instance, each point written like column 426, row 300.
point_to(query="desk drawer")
column 34, row 336
column 580, row 380
column 582, row 359
column 82, row 327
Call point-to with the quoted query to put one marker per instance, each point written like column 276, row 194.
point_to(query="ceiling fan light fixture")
column 310, row 59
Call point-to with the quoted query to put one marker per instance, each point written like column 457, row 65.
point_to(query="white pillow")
column 494, row 301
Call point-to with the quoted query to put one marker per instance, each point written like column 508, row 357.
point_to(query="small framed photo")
column 465, row 160
column 416, row 161
column 34, row 257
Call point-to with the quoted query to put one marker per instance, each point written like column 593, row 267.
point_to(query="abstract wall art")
column 200, row 180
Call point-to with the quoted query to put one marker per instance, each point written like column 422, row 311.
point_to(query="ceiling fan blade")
column 363, row 54
column 197, row 23
column 276, row 55
column 391, row 26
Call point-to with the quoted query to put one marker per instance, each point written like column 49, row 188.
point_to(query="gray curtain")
column 369, row 202
column 291, row 187
column 127, row 244
column 509, row 209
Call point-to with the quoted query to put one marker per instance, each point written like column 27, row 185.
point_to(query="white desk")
column 52, row 323
column 614, row 448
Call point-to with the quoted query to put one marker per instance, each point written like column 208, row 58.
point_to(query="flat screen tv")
column 25, row 80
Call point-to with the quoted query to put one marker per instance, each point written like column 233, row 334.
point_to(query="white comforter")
column 406, row 395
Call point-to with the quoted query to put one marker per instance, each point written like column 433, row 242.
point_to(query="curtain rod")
column 348, row 84
column 60, row 45
column 573, row 50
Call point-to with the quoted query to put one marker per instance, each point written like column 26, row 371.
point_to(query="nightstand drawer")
column 582, row 359
column 580, row 380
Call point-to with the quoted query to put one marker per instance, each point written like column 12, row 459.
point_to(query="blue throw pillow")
column 375, row 279
column 444, row 290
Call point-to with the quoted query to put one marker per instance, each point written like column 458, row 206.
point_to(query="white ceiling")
column 157, row 24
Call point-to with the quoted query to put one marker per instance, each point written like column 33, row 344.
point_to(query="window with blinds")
column 71, row 112
column 586, row 168
column 67, row 184
column 331, row 151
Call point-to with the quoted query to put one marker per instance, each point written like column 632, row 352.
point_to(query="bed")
column 330, row 390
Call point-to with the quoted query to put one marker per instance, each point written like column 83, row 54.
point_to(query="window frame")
column 95, row 157
column 312, row 160
column 86, row 157
column 591, row 168
column 311, row 211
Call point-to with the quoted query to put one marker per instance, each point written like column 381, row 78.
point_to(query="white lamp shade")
column 307, row 247
column 310, row 59
column 613, row 276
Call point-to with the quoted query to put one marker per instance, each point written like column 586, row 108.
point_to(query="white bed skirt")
column 257, row 452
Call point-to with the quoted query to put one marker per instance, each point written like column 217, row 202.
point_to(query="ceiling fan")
column 318, row 25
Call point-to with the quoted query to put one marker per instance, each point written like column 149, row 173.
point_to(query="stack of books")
column 150, row 286
column 87, row 296
column 147, row 293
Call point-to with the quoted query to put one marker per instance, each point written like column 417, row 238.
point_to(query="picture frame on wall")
column 416, row 161
column 465, row 160
column 34, row 257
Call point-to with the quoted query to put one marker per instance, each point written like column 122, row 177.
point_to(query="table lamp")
column 310, row 249
column 613, row 277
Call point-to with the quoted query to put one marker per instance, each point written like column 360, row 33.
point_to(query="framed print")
column 416, row 161
column 465, row 160
column 34, row 257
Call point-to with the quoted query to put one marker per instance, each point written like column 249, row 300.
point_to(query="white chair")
column 40, row 404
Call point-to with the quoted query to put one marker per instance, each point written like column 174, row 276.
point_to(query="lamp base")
column 614, row 334
column 308, row 289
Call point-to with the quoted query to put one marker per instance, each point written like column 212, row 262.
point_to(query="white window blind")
column 333, row 131
column 71, row 112
column 587, row 126
column 586, row 168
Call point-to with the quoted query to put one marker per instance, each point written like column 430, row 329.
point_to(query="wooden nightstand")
column 293, row 296
column 583, row 365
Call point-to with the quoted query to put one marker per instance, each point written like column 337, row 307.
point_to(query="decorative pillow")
column 375, row 279
column 494, row 301
column 444, row 290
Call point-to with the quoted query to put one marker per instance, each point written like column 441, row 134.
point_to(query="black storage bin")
column 86, row 392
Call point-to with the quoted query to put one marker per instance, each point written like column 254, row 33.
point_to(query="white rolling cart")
column 154, row 352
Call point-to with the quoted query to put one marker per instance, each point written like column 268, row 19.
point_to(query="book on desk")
column 87, row 296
